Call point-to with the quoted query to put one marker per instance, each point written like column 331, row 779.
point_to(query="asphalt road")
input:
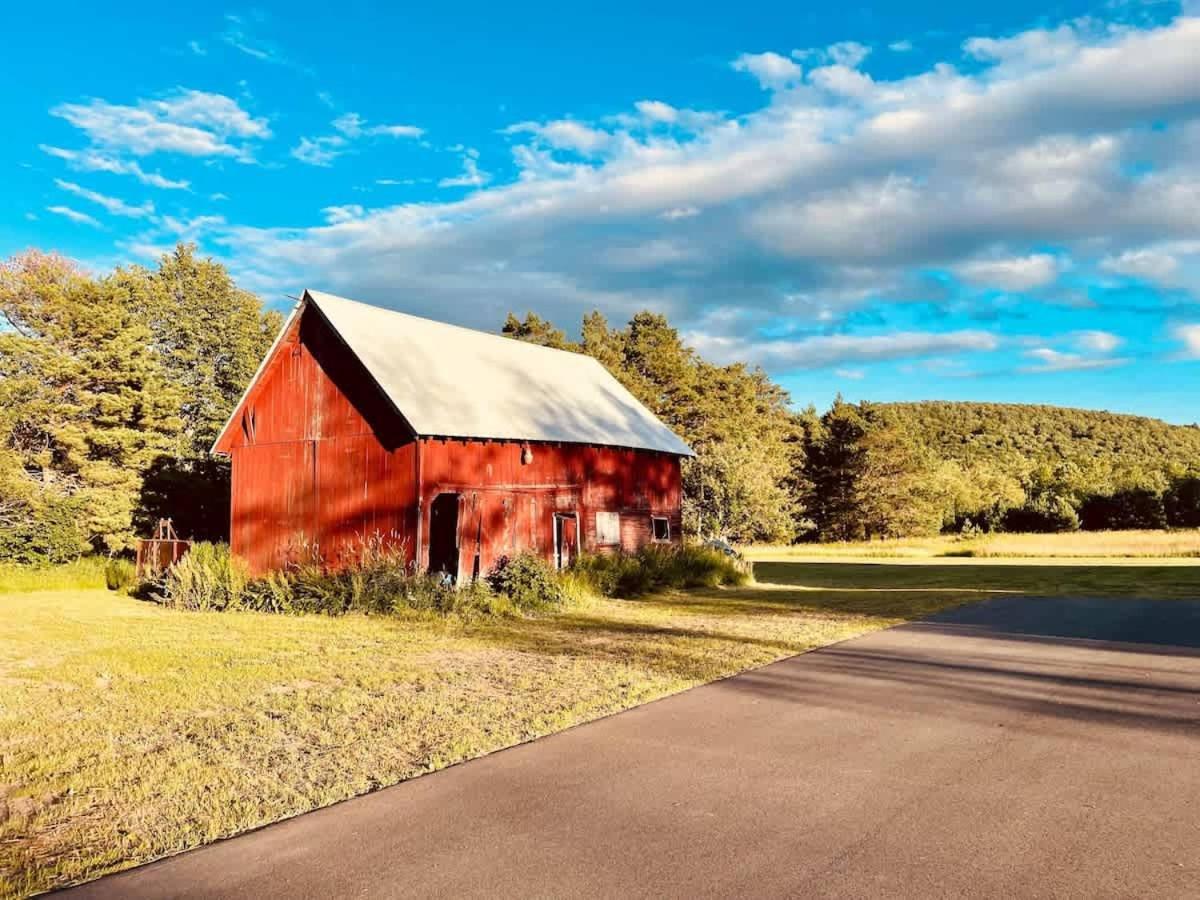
column 1015, row 748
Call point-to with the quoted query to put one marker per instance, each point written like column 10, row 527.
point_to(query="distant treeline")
column 112, row 389
column 764, row 472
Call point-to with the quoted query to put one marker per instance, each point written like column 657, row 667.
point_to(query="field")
column 1182, row 544
column 128, row 731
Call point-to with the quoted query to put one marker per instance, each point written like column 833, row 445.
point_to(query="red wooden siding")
column 321, row 461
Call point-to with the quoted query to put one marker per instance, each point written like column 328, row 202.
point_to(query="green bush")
column 47, row 534
column 207, row 577
column 659, row 566
column 119, row 574
column 528, row 581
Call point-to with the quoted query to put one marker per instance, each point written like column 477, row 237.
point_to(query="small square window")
column 608, row 528
column 660, row 528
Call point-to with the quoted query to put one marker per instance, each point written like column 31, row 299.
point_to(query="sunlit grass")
column 81, row 574
column 1184, row 543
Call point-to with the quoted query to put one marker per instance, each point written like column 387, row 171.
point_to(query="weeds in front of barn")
column 378, row 579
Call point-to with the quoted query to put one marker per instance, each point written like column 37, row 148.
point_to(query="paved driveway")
column 1015, row 748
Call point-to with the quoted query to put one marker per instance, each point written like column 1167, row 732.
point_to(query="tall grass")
column 656, row 567
column 81, row 574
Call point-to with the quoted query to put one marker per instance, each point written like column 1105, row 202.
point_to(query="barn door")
column 566, row 539
column 443, row 535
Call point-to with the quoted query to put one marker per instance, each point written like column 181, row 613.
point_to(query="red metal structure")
column 323, row 459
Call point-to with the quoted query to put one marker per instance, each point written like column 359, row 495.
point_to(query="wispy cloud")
column 74, row 215
column 1051, row 360
column 471, row 175
column 114, row 205
column 187, row 122
column 320, row 151
column 352, row 125
column 94, row 161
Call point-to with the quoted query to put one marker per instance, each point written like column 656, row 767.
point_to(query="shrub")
column 119, row 574
column 208, row 577
column 528, row 581
column 1042, row 515
column 659, row 566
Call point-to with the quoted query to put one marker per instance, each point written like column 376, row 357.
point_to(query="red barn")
column 460, row 446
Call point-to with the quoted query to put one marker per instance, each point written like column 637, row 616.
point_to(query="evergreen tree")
column 93, row 407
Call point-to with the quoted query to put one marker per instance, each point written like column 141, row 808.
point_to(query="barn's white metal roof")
column 456, row 382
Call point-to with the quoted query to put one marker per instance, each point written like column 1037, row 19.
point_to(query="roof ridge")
column 441, row 324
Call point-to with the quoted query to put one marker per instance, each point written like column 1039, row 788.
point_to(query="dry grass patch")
column 129, row 731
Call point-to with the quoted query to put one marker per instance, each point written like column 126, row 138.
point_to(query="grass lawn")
column 1182, row 543
column 128, row 731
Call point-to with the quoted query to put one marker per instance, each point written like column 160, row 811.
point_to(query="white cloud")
column 197, row 48
column 93, row 161
column 74, row 215
column 770, row 69
column 320, row 151
column 1188, row 336
column 1051, row 360
column 188, row 122
column 848, row 53
column 900, row 46
column 1098, row 341
column 471, row 175
column 565, row 134
column 853, row 374
column 1019, row 273
column 114, row 205
column 1145, row 264
column 815, row 204
column 657, row 111
column 352, row 125
column 822, row 351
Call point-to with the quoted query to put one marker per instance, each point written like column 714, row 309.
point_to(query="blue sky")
column 994, row 202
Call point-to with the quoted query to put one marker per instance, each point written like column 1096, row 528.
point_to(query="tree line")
column 767, row 472
column 113, row 388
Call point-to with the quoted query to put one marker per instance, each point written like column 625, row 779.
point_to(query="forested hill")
column 1027, row 433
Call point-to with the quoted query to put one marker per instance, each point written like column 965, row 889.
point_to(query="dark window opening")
column 566, row 539
column 443, row 535
column 660, row 528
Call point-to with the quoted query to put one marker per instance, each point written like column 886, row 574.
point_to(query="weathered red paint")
column 321, row 462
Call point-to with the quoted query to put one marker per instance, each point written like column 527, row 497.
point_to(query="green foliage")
column 1134, row 508
column 87, row 403
column 1181, row 503
column 207, row 578
column 46, row 531
column 112, row 390
column 119, row 574
column 528, row 581
column 657, row 567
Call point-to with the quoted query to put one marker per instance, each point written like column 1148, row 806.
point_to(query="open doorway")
column 566, row 539
column 443, row 535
